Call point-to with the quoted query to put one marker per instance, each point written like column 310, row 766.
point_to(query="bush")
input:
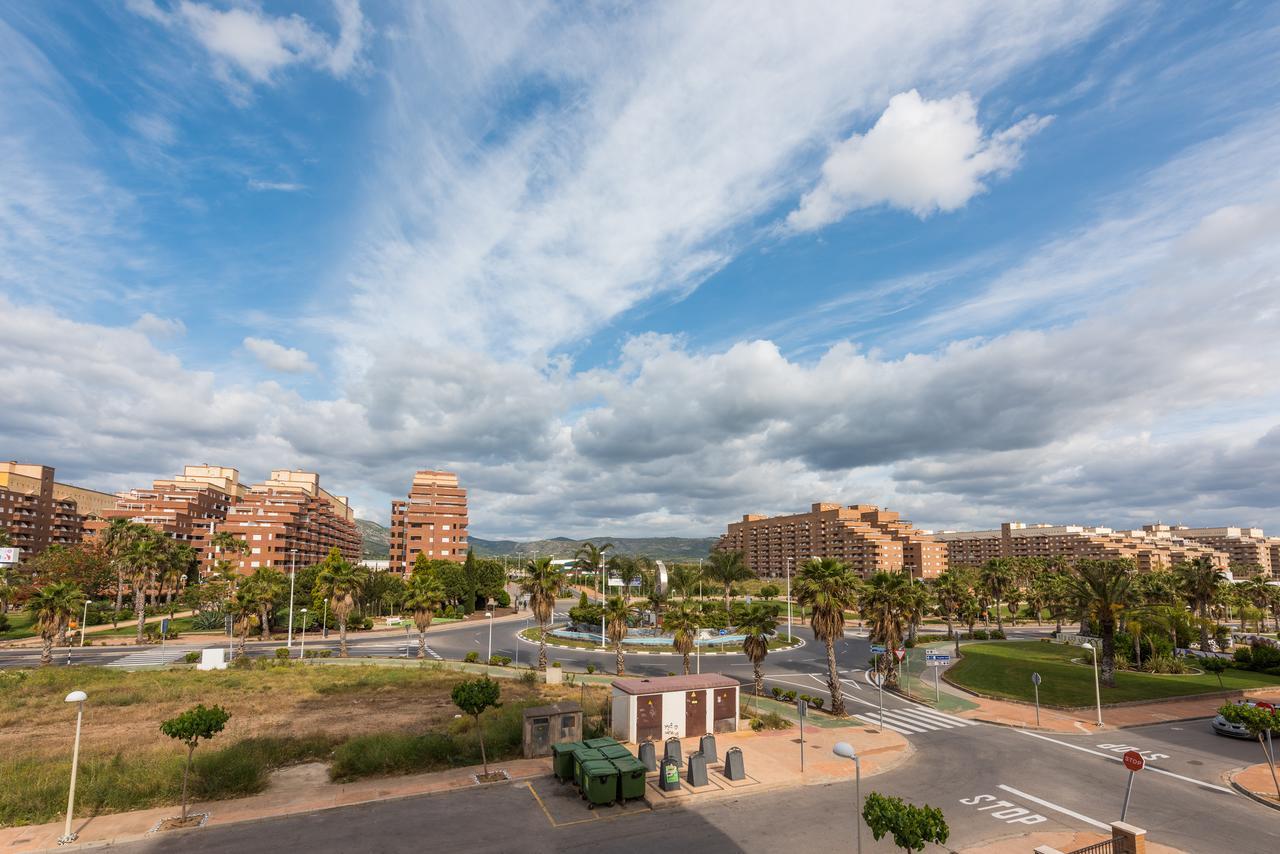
column 1243, row 656
column 4, row 622
column 777, row 693
column 769, row 720
column 191, row 657
column 207, row 621
column 908, row 644
column 769, row 591
column 591, row 668
column 529, row 677
column 471, row 657
column 282, row 653
column 499, row 660
column 319, row 653
column 978, row 634
column 818, row 702
column 503, row 599
column 555, row 664
column 790, row 695
column 997, row 634
column 1164, row 664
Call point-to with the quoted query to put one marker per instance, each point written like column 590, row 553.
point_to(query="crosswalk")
column 152, row 656
column 393, row 649
column 909, row 721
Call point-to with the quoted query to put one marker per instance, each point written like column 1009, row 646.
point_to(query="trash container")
column 649, row 756
column 562, row 759
column 581, row 755
column 599, row 782
column 630, row 778
column 707, row 747
column 669, row 777
column 672, row 749
column 597, row 743
column 697, row 770
column 615, row 751
column 733, row 767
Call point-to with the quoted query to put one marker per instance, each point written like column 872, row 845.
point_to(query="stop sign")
column 1267, row 706
column 1133, row 760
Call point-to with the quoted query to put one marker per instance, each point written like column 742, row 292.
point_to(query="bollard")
column 707, row 747
column 697, row 770
column 669, row 779
column 648, row 756
column 672, row 750
column 733, row 768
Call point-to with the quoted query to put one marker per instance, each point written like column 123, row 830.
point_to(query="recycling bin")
column 562, row 759
column 707, row 747
column 733, row 767
column 697, row 770
column 631, row 773
column 599, row 782
column 649, row 755
column 669, row 776
column 580, row 756
column 671, row 750
column 597, row 743
column 615, row 751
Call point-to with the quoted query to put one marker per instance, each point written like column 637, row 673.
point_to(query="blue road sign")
column 878, row 649
column 936, row 658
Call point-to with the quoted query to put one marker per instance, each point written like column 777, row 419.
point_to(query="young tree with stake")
column 189, row 727
column 474, row 696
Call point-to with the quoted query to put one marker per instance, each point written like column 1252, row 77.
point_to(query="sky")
column 639, row 268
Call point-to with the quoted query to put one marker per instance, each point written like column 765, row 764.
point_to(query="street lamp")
column 697, row 647
column 845, row 750
column 302, row 649
column 603, row 599
column 293, row 571
column 489, row 614
column 84, row 620
column 1097, row 686
column 789, row 560
column 68, row 835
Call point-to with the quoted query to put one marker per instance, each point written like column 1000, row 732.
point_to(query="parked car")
column 1224, row 727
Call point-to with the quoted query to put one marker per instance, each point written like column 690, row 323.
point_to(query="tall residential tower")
column 431, row 521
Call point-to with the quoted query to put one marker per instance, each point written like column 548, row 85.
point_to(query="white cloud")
column 154, row 326
column 276, row 186
column 153, row 128
column 278, row 357
column 923, row 156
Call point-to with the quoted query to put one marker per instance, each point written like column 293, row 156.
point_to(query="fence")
column 1106, row 846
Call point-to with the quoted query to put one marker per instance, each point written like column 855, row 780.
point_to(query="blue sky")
column 641, row 268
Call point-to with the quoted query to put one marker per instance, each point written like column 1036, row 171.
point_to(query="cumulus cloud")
column 154, row 326
column 278, row 357
column 923, row 156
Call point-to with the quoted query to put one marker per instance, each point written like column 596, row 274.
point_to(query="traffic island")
column 1256, row 782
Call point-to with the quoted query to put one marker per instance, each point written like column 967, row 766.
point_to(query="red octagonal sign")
column 1133, row 760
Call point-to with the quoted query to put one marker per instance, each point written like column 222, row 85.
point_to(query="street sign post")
column 802, row 710
column 1134, row 762
column 878, row 678
column 936, row 659
column 878, row 649
column 1035, row 681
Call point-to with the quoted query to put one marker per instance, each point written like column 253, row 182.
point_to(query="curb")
column 1251, row 796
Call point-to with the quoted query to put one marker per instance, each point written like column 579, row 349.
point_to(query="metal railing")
column 1106, row 846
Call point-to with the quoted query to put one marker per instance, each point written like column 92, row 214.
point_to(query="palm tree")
column 1198, row 581
column 591, row 557
column 886, row 607
column 828, row 588
column 1257, row 592
column 995, row 576
column 683, row 621
column 544, row 582
column 263, row 587
column 1102, row 588
column 148, row 554
column 186, row 560
column 918, row 600
column 341, row 583
column 726, row 569
column 423, row 595
column 118, row 540
column 949, row 591
column 244, row 613
column 759, row 625
column 224, row 542
column 684, row 579
column 616, row 612
column 52, row 608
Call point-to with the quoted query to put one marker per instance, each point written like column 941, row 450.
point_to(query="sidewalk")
column 1256, row 781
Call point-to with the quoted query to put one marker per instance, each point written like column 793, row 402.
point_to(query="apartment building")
column 431, row 521
column 36, row 511
column 187, row 507
column 1249, row 550
column 864, row 537
column 291, row 520
column 1148, row 550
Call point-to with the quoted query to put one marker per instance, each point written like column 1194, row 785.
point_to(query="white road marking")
column 1152, row 769
column 874, row 721
column 1050, row 805
column 942, row 718
column 909, row 720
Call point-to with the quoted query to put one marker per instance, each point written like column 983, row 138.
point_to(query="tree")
column 912, row 827
column 590, row 557
column 189, row 728
column 543, row 582
column 1101, row 589
column 474, row 696
column 341, row 583
column 1257, row 591
column 264, row 586
column 147, row 554
column 828, row 588
column 1214, row 665
column 1258, row 722
column 117, row 541
column 770, row 591
column 682, row 622
column 886, row 605
column 244, row 614
column 423, row 596
column 759, row 625
column 1198, row 582
column 916, row 603
column 949, row 592
column 6, row 541
column 684, row 579
column 616, row 614
column 52, row 608
column 995, row 576
column 727, row 569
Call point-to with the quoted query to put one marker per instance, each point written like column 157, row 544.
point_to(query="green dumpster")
column 562, row 759
column 597, row 743
column 599, row 782
column 615, row 751
column 631, row 773
column 581, row 755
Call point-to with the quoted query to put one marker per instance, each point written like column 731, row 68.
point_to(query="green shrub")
column 997, row 634
column 503, row 599
column 471, row 657
column 499, row 660
column 790, row 695
column 206, row 621
column 769, row 720
column 319, row 653
column 555, row 664
column 978, row 634
column 282, row 653
column 777, row 693
column 591, row 668
column 529, row 677
column 818, row 702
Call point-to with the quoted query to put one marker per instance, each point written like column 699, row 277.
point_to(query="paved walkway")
column 1258, row 781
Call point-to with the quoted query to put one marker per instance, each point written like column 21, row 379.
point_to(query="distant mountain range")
column 377, row 544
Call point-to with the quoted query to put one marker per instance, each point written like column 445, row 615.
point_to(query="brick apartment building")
column 37, row 511
column 1147, row 549
column 187, row 507
column 1248, row 550
column 864, row 537
column 291, row 520
column 432, row 521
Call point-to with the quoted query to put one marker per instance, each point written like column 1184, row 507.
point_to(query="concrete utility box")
column 212, row 659
column 547, row 725
column 674, row 706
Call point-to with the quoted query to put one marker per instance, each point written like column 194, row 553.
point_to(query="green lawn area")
column 129, row 629
column 19, row 626
column 1004, row 668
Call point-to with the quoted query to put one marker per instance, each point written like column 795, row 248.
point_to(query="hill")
column 377, row 540
column 661, row 548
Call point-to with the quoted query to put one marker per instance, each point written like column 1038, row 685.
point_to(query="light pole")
column 603, row 599
column 789, row 560
column 293, row 571
column 1097, row 686
column 697, row 647
column 84, row 621
column 489, row 615
column 844, row 749
column 68, row 835
column 302, row 648
column 324, row 621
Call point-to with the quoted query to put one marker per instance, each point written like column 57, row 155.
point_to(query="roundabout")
column 531, row 637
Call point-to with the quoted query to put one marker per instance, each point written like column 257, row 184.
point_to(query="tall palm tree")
column 264, row 586
column 616, row 614
column 423, row 595
column 52, row 608
column 1102, row 589
column 225, row 542
column 591, row 557
column 759, row 625
column 949, row 591
column 1257, row 592
column 544, row 582
column 683, row 579
column 886, row 605
column 118, row 540
column 916, row 604
column 244, row 615
column 995, row 576
column 726, row 569
column 341, row 583
column 1198, row 581
column 682, row 622
column 828, row 588
column 149, row 553
column 186, row 560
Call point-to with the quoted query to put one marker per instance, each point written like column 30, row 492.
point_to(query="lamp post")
column 789, row 560
column 324, row 621
column 84, row 620
column 68, row 835
column 697, row 647
column 293, row 571
column 489, row 615
column 1097, row 686
column 844, row 749
column 603, row 598
column 302, row 648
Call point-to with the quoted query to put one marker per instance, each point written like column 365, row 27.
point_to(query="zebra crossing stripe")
column 899, row 715
column 945, row 719
column 898, row 728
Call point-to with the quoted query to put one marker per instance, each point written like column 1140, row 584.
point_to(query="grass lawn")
column 1004, row 668
column 130, row 629
column 19, row 626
